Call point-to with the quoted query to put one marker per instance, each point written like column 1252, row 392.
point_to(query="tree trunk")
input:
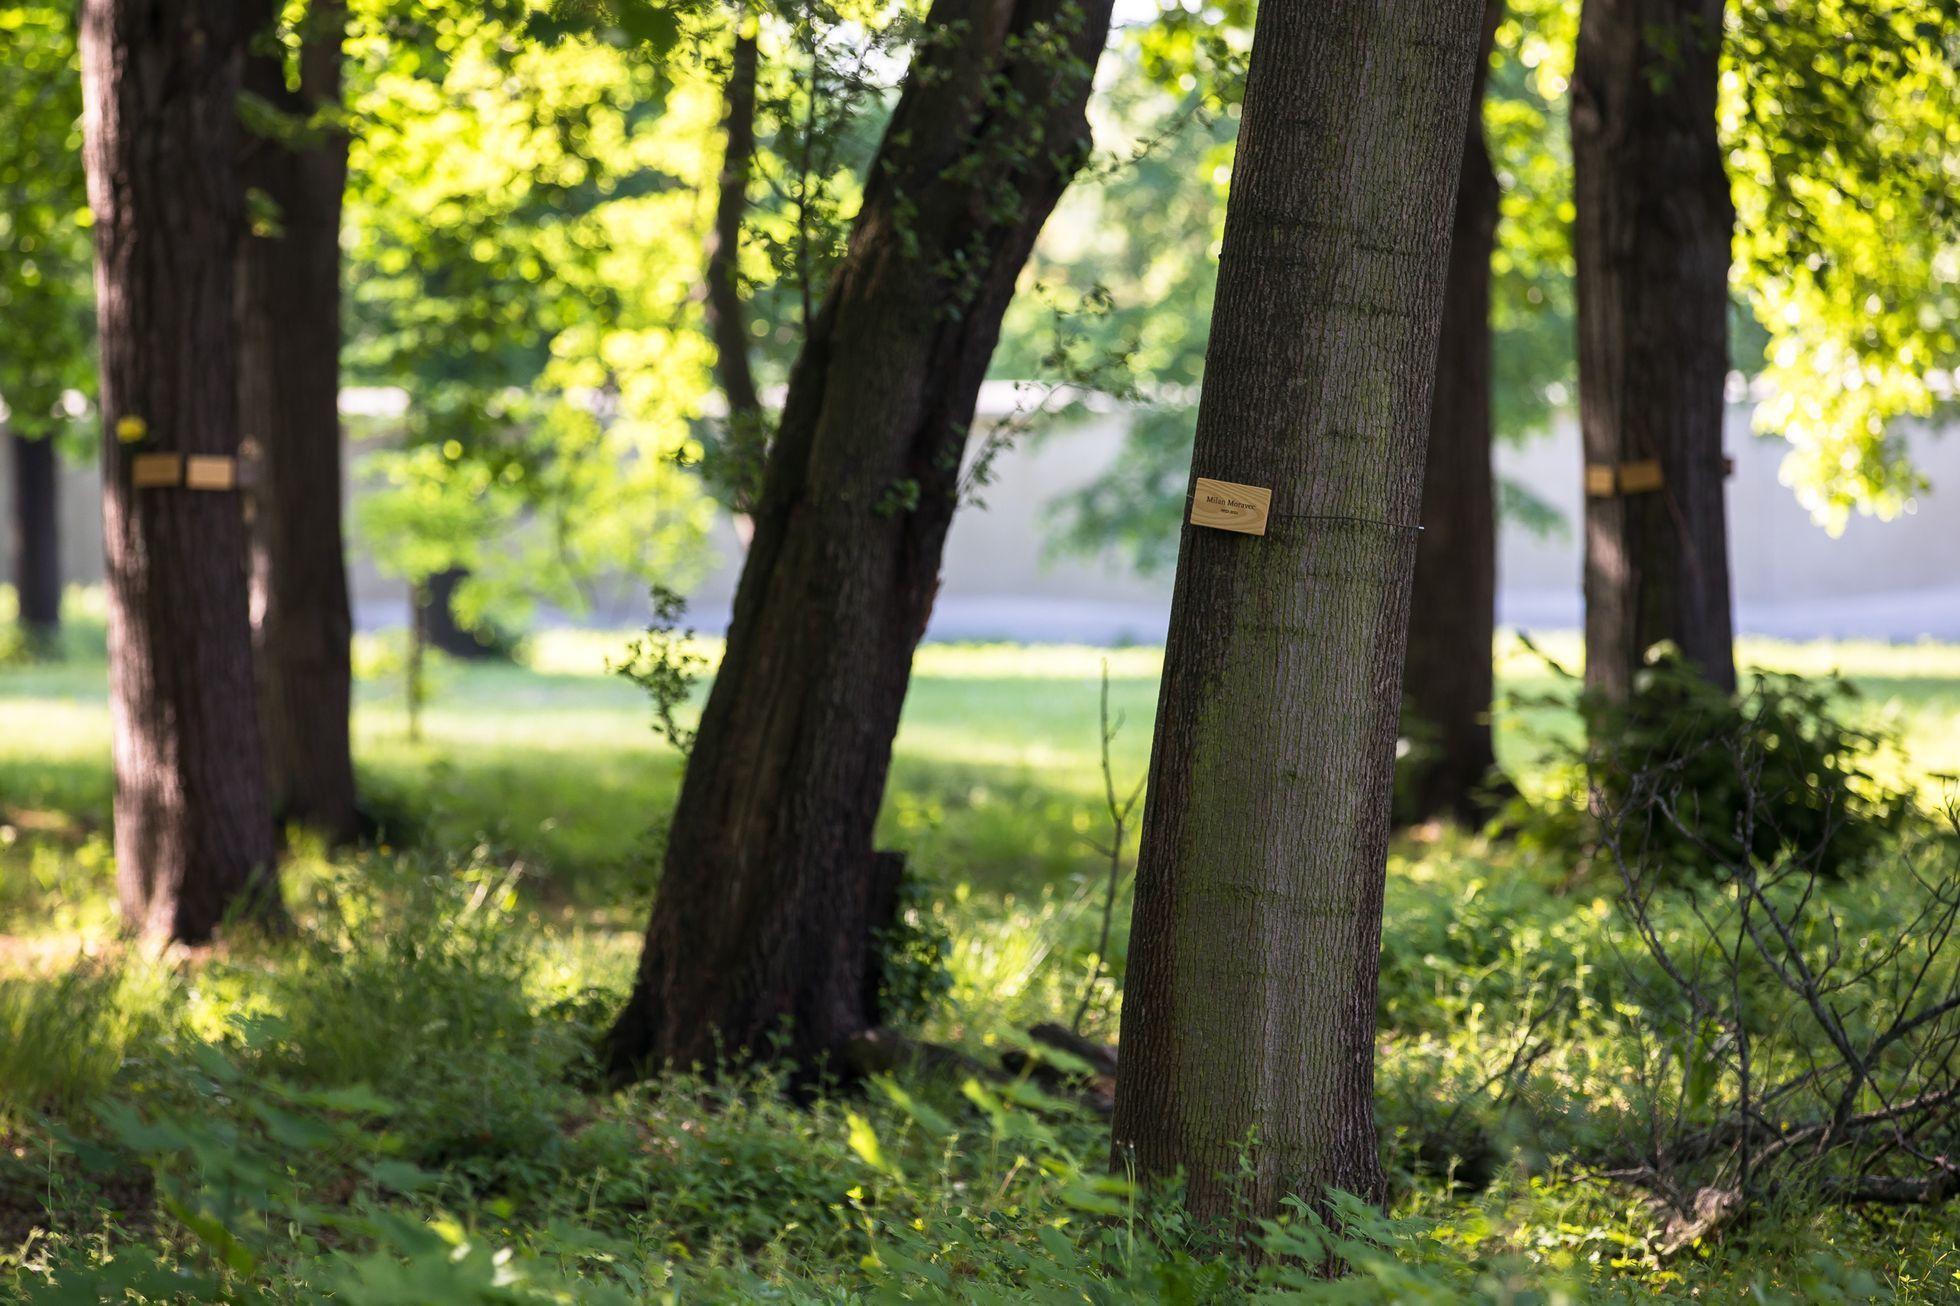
column 37, row 542
column 724, row 297
column 760, row 926
column 735, row 463
column 1652, row 245
column 435, row 612
column 193, row 831
column 1448, row 682
column 727, row 324
column 415, row 680
column 289, row 387
column 1249, row 1012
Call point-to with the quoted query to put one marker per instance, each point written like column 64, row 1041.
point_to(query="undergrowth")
column 389, row 1106
column 386, row 1109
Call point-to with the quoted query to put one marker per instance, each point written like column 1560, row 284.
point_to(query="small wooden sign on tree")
column 1227, row 506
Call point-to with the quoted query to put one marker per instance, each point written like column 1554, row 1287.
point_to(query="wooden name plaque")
column 1226, row 506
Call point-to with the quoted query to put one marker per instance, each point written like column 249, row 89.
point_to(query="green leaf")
column 212, row 1233
column 653, row 25
column 924, row 1116
column 864, row 1141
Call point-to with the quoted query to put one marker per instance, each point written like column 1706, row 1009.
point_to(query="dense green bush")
column 913, row 956
column 1687, row 779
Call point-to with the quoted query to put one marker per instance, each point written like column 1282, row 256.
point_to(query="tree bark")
column 1249, row 1013
column 289, row 387
column 37, row 541
column 736, row 467
column 758, row 941
column 1652, row 244
column 193, row 831
column 727, row 324
column 1449, row 680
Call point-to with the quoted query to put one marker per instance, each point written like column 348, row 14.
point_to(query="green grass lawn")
column 996, row 778
column 454, row 975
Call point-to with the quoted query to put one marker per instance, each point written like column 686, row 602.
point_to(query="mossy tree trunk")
column 760, row 933
column 193, row 830
column 289, row 387
column 1249, row 1013
column 1652, row 244
column 1448, row 682
column 36, row 540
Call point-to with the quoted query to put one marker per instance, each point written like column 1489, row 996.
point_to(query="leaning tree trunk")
column 1448, row 682
column 193, row 832
column 37, row 541
column 289, row 387
column 1652, row 245
column 1249, row 1012
column 760, row 930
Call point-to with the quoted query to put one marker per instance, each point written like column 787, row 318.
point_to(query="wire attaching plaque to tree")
column 1227, row 506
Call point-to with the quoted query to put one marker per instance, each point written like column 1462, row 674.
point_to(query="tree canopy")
column 531, row 186
column 47, row 320
column 1839, row 122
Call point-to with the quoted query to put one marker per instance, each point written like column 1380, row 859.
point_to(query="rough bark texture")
column 1652, row 244
column 193, row 831
column 36, row 543
column 1448, row 681
column 1249, row 1011
column 289, row 386
column 758, row 940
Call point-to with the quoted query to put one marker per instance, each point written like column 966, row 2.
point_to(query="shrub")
column 1781, row 765
column 913, row 955
column 417, row 981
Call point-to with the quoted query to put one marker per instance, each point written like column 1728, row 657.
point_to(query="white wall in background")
column 1887, row 580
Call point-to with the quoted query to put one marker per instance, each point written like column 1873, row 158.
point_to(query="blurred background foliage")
column 47, row 295
column 532, row 185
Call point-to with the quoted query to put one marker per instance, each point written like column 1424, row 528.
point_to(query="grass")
column 385, row 1108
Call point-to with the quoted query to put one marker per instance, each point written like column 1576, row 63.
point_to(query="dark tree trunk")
column 193, row 831
column 289, row 386
column 760, row 924
column 727, row 323
column 1249, row 1012
column 415, row 680
column 738, row 465
column 1448, row 682
column 435, row 613
column 37, row 541
column 1652, row 244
